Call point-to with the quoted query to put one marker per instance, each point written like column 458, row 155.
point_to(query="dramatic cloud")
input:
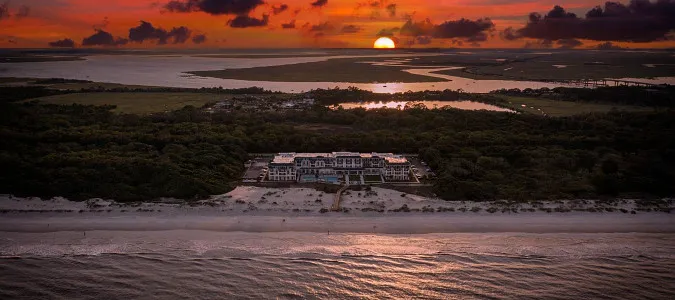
column 65, row 43
column 350, row 29
column 509, row 34
column 423, row 40
column 319, row 3
column 411, row 28
column 180, row 35
column 243, row 21
column 569, row 43
column 199, row 39
column 214, row 7
column 289, row 25
column 463, row 28
column 103, row 38
column 608, row 46
column 640, row 21
column 147, row 32
column 472, row 31
column 388, row 32
column 541, row 44
column 325, row 26
column 279, row 9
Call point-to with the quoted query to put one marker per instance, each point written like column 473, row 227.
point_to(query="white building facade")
column 295, row 166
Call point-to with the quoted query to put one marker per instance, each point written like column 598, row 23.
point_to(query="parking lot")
column 422, row 169
column 255, row 169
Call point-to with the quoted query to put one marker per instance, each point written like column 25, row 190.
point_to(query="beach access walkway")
column 338, row 196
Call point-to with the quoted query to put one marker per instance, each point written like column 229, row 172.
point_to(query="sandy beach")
column 255, row 209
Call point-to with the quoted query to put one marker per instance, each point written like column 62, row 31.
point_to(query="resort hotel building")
column 311, row 167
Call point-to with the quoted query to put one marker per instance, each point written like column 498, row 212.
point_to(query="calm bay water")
column 170, row 71
column 292, row 265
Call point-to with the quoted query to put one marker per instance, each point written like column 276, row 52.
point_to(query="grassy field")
column 334, row 70
column 554, row 108
column 137, row 103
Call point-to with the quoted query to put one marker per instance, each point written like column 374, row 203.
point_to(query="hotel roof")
column 289, row 158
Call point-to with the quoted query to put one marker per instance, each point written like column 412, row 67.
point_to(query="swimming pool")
column 326, row 178
column 331, row 179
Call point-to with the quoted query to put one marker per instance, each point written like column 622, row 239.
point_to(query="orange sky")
column 51, row 20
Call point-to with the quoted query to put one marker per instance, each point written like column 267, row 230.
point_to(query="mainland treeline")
column 658, row 96
column 84, row 151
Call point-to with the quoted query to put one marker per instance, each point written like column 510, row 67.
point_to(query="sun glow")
column 384, row 43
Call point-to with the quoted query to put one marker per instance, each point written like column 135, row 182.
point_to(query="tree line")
column 81, row 151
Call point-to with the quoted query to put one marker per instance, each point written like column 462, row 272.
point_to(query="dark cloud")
column 540, row 44
column 608, row 46
column 639, row 21
column 279, row 9
column 180, row 35
column 214, row 7
column 388, row 32
column 199, row 38
column 423, row 40
column 509, row 34
column 350, row 29
column 103, row 38
column 411, row 28
column 472, row 31
column 243, row 21
column 464, row 28
column 289, row 25
column 319, row 3
column 147, row 32
column 325, row 26
column 569, row 43
column 64, row 43
column 391, row 9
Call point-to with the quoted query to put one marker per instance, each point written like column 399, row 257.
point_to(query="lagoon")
column 464, row 105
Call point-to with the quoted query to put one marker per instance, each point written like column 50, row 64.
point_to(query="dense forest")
column 85, row 151
column 657, row 96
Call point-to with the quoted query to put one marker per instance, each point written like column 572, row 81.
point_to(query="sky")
column 337, row 23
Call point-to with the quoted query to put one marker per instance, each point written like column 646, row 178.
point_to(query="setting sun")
column 384, row 43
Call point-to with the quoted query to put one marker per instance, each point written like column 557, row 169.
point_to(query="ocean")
column 182, row 264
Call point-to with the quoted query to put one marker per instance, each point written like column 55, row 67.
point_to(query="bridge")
column 594, row 83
